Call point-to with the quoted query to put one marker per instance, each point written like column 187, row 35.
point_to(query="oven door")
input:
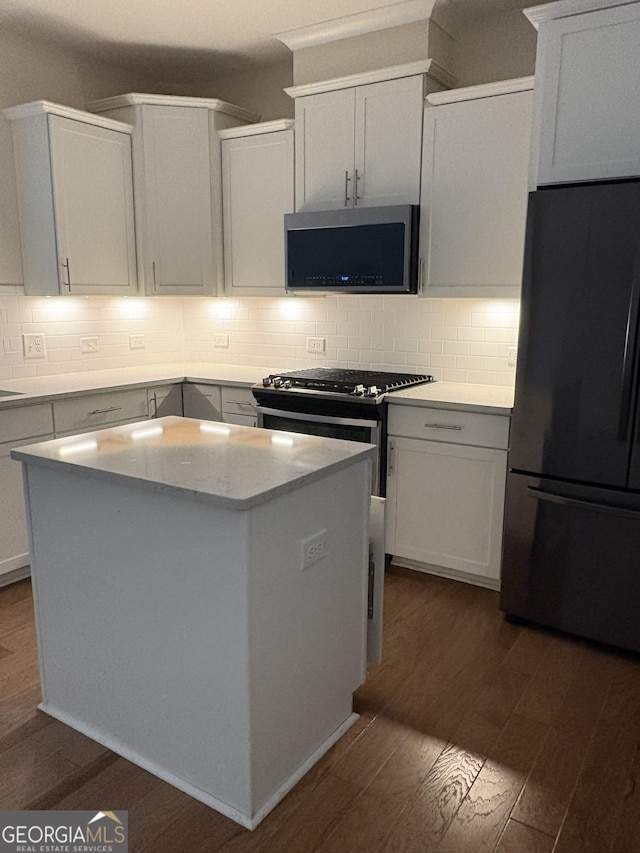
column 328, row 426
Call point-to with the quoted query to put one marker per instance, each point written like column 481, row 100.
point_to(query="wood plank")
column 518, row 838
column 548, row 687
column 595, row 811
column 482, row 815
column 549, row 788
column 430, row 811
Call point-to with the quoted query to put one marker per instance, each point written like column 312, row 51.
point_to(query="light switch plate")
column 89, row 345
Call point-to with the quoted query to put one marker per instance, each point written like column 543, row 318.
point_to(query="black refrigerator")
column 571, row 556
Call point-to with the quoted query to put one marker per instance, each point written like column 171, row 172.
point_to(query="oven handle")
column 324, row 419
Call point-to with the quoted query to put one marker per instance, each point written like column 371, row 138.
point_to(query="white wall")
column 458, row 340
column 499, row 47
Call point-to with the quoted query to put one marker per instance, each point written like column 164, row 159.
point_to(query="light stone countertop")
column 42, row 388
column 458, row 396
column 225, row 465
column 488, row 399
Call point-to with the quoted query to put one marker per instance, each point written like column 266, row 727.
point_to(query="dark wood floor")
column 474, row 735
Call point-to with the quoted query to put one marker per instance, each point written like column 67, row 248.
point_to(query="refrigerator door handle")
column 540, row 494
column 629, row 360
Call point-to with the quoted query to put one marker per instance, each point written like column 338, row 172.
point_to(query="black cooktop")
column 343, row 381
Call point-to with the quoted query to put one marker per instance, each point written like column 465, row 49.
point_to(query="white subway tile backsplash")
column 458, row 340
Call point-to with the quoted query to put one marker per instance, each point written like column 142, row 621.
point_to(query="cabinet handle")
column 243, row 404
column 346, row 188
column 66, row 266
column 420, row 275
column 391, row 459
column 356, row 196
column 154, row 397
column 104, row 411
column 153, row 270
column 444, row 426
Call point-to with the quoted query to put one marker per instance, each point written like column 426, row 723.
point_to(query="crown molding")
column 424, row 66
column 485, row 90
column 139, row 99
column 565, row 8
column 257, row 129
column 381, row 18
column 35, row 108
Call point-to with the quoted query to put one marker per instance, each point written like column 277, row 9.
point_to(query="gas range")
column 365, row 386
column 334, row 403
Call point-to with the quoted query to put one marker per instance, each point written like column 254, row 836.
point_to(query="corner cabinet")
column 587, row 110
column 257, row 190
column 176, row 164
column 474, row 189
column 359, row 143
column 445, row 492
column 75, row 196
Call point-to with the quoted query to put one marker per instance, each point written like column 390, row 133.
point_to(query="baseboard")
column 452, row 574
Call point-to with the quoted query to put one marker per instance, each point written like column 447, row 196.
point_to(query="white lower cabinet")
column 202, row 401
column 165, row 400
column 18, row 426
column 239, row 406
column 445, row 492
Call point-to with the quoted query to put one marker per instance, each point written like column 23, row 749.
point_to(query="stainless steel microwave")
column 363, row 250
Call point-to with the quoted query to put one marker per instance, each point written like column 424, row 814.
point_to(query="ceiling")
column 183, row 37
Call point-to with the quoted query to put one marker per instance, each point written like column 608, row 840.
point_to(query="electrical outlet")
column 89, row 345
column 33, row 345
column 314, row 548
column 512, row 355
column 315, row 344
column 136, row 341
column 221, row 339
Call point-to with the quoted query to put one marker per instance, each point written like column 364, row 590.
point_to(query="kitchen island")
column 201, row 598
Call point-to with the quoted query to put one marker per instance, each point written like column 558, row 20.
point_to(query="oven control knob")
column 358, row 390
column 266, row 381
column 372, row 391
column 277, row 382
column 286, row 383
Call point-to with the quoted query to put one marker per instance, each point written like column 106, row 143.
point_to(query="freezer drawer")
column 570, row 559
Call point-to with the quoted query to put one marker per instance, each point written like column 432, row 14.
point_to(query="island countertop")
column 227, row 465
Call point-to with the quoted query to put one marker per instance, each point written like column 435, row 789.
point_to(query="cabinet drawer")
column 25, row 422
column 97, row 410
column 446, row 425
column 238, row 401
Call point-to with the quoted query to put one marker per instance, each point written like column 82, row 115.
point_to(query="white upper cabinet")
column 176, row 161
column 76, row 201
column 257, row 190
column 359, row 145
column 587, row 109
column 474, row 189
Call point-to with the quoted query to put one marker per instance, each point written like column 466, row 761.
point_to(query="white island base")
column 178, row 627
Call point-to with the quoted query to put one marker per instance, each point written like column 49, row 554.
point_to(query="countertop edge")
column 23, row 455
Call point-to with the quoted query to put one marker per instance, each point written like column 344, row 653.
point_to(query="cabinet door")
column 14, row 542
column 474, row 195
column 257, row 190
column 93, row 201
column 202, row 401
column 445, row 506
column 324, row 150
column 165, row 400
column 179, row 243
column 388, row 142
column 589, row 113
